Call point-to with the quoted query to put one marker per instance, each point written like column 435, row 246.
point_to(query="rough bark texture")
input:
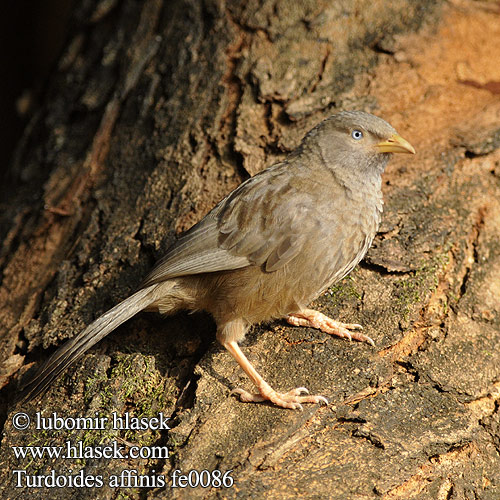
column 156, row 110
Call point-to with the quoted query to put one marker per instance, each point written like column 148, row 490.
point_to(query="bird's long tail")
column 76, row 347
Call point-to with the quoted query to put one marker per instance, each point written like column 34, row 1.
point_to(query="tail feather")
column 76, row 347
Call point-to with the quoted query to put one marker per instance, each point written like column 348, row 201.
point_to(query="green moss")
column 135, row 386
column 343, row 290
column 417, row 285
column 122, row 495
column 92, row 385
column 407, row 293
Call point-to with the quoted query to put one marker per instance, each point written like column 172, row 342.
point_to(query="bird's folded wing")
column 265, row 221
column 195, row 252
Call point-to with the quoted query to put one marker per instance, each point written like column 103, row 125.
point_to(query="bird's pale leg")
column 292, row 399
column 315, row 319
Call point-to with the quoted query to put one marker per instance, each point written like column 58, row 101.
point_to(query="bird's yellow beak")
column 395, row 144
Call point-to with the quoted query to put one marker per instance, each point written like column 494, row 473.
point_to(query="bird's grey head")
column 356, row 142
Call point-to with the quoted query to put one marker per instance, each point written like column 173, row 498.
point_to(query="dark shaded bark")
column 159, row 109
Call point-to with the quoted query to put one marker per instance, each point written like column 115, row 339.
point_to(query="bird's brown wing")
column 196, row 251
column 265, row 221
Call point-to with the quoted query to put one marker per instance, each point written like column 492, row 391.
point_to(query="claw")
column 322, row 399
column 299, row 391
column 353, row 326
column 369, row 340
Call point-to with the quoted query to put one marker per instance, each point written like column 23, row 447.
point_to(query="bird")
column 267, row 250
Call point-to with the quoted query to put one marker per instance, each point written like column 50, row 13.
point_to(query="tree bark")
column 155, row 111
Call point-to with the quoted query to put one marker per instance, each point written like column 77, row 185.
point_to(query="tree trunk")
column 155, row 111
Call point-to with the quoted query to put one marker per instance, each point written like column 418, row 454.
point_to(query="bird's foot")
column 292, row 399
column 315, row 319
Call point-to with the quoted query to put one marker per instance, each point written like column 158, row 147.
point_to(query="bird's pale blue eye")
column 357, row 135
